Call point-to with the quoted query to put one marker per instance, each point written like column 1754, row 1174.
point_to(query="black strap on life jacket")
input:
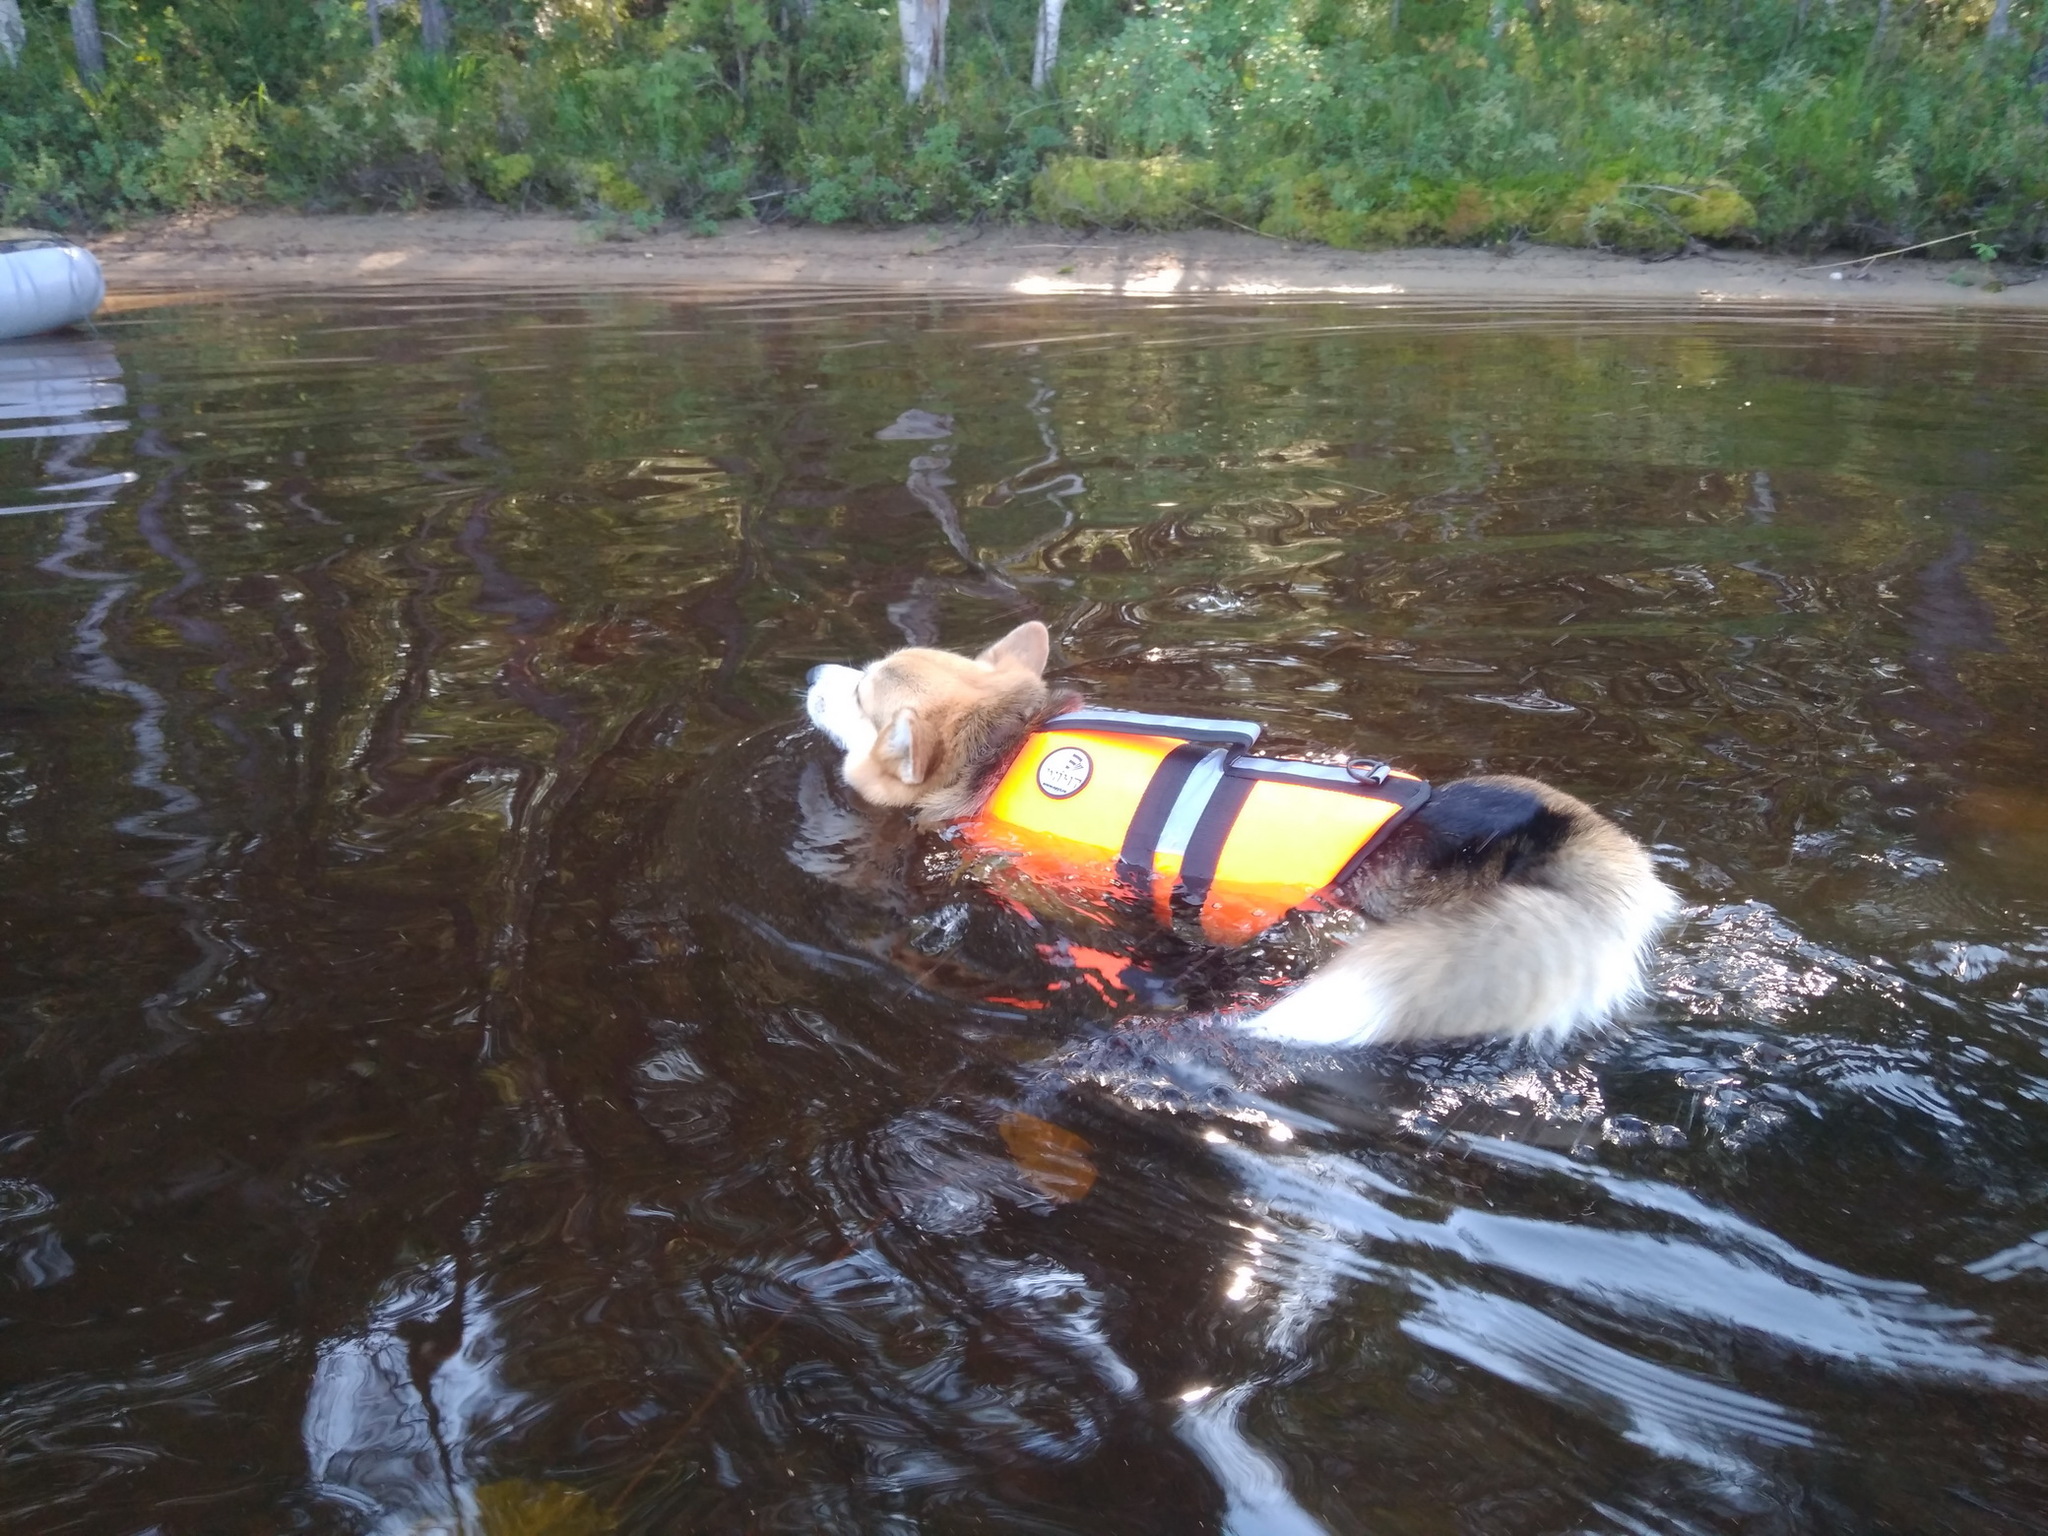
column 1205, row 847
column 1141, row 838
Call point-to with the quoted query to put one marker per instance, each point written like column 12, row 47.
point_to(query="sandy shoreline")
column 328, row 251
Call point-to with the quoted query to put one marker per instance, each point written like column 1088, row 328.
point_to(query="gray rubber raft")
column 46, row 282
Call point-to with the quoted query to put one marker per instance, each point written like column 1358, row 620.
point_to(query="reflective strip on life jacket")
column 1168, row 816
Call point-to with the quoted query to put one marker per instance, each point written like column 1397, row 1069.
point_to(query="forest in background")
column 1641, row 125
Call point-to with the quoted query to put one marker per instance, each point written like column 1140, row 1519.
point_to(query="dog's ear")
column 1029, row 645
column 911, row 742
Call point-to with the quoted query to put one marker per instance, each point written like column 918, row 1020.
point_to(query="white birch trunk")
column 2001, row 22
column 1045, row 54
column 374, row 9
column 13, row 35
column 86, row 45
column 434, row 26
column 923, row 23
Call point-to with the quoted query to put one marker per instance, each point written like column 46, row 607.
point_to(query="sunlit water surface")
column 459, row 1075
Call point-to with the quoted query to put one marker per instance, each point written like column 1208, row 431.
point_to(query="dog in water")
column 1493, row 905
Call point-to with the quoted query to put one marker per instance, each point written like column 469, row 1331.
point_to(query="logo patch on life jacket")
column 1065, row 772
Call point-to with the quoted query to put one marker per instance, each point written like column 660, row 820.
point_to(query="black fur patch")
column 1468, row 825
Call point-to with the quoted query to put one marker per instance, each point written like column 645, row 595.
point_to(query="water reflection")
column 401, row 1414
column 53, row 390
column 466, row 1055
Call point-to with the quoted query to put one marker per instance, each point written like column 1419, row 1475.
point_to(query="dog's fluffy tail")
column 1527, row 913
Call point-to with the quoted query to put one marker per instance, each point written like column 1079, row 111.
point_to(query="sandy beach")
column 328, row 251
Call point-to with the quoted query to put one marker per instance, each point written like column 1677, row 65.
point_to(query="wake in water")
column 1591, row 1277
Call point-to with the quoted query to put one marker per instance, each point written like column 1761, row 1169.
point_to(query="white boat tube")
column 45, row 282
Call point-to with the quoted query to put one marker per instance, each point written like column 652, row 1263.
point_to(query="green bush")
column 1165, row 192
column 211, row 152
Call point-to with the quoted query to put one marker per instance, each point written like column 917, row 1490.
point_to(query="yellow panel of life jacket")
column 1290, row 842
column 1062, row 813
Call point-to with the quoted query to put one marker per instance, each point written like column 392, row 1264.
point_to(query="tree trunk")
column 434, row 26
column 923, row 23
column 91, row 52
column 375, row 10
column 12, row 33
column 2001, row 22
column 1045, row 54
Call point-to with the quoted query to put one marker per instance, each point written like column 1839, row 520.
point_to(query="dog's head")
column 919, row 726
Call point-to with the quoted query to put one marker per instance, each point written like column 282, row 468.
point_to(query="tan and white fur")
column 1504, row 907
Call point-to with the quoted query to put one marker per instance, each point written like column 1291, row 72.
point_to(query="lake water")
column 454, row 1080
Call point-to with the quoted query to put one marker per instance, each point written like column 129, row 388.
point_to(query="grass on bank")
column 1630, row 124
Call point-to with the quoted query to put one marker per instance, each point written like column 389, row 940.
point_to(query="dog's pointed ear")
column 911, row 742
column 1029, row 645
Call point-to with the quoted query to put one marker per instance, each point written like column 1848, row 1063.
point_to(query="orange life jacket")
column 1172, row 816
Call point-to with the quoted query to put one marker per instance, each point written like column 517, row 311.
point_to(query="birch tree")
column 434, row 26
column 91, row 52
column 2001, row 22
column 12, row 33
column 1045, row 53
column 923, row 24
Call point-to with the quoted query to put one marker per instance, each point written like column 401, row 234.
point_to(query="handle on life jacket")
column 1171, row 816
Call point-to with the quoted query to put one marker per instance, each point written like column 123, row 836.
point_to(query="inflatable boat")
column 45, row 282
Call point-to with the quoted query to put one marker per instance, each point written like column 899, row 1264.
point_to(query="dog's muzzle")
column 830, row 703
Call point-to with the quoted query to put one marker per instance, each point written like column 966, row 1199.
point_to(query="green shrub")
column 1609, row 212
column 211, row 152
column 610, row 188
column 1164, row 192
column 505, row 176
column 1152, row 92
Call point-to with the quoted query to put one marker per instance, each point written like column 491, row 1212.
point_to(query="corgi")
column 1494, row 905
